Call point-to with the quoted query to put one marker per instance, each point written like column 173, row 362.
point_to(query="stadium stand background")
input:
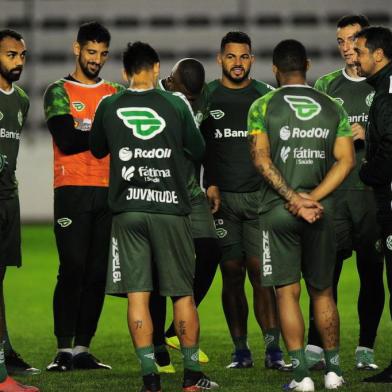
column 176, row 28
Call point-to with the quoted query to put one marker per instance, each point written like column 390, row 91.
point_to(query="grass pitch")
column 29, row 291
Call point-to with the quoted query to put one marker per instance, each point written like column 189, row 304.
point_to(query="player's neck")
column 80, row 76
column 233, row 85
column 351, row 71
column 5, row 85
column 144, row 80
column 290, row 79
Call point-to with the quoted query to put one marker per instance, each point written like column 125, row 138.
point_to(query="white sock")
column 79, row 349
column 315, row 349
column 362, row 348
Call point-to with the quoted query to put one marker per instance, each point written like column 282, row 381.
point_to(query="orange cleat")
column 10, row 385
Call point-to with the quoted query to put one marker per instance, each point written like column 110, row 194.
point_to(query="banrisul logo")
column 79, row 106
column 217, row 114
column 145, row 123
column 305, row 108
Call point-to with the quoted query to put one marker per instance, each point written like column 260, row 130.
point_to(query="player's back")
column 302, row 125
column 147, row 133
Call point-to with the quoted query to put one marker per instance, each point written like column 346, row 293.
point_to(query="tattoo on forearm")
column 181, row 328
column 270, row 173
column 138, row 324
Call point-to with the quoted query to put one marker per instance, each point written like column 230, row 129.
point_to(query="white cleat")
column 333, row 381
column 306, row 385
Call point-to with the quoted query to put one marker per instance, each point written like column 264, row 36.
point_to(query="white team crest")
column 221, row 232
column 388, row 242
column 20, row 118
column 369, row 99
column 64, row 222
column 284, row 153
column 217, row 114
column 305, row 108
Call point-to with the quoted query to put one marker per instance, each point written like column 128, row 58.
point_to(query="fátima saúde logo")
column 145, row 123
column 305, row 108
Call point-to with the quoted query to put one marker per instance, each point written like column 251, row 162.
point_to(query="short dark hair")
column 10, row 33
column 139, row 56
column 290, row 55
column 236, row 37
column 377, row 37
column 192, row 75
column 347, row 20
column 93, row 31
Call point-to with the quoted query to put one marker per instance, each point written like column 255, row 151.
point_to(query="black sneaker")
column 87, row 361
column 384, row 377
column 16, row 366
column 61, row 363
column 197, row 381
column 151, row 383
column 241, row 359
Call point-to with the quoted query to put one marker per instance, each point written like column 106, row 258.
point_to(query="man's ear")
column 76, row 48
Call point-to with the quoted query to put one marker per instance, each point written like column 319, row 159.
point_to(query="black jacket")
column 377, row 170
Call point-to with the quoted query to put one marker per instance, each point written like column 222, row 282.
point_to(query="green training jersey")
column 193, row 182
column 302, row 125
column 14, row 105
column 226, row 136
column 356, row 97
column 149, row 135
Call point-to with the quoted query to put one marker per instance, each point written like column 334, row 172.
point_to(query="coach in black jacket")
column 374, row 61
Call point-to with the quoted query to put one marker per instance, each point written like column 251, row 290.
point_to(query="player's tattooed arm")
column 298, row 205
column 261, row 157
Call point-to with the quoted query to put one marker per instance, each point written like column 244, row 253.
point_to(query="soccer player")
column 14, row 105
column 230, row 168
column 188, row 77
column 150, row 134
column 374, row 61
column 301, row 143
column 82, row 217
column 355, row 210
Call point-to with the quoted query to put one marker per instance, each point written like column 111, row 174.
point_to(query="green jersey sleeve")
column 98, row 141
column 344, row 128
column 256, row 114
column 25, row 103
column 56, row 101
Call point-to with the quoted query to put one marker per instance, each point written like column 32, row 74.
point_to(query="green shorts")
column 356, row 224
column 290, row 246
column 144, row 244
column 202, row 222
column 237, row 225
column 10, row 243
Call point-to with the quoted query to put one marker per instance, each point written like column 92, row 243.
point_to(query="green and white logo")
column 145, row 123
column 388, row 242
column 1, row 116
column 217, row 114
column 339, row 101
column 64, row 222
column 369, row 99
column 127, row 174
column 221, row 233
column 79, row 106
column 305, row 108
column 20, row 118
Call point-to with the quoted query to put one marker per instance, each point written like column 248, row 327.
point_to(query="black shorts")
column 10, row 243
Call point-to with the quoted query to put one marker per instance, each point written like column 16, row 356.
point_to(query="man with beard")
column 355, row 211
column 230, row 168
column 14, row 105
column 81, row 215
column 374, row 61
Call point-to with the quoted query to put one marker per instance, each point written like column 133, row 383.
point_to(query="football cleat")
column 305, row 385
column 274, row 360
column 383, row 377
column 333, row 381
column 10, row 385
column 166, row 369
column 197, row 381
column 173, row 342
column 87, row 361
column 241, row 359
column 151, row 383
column 17, row 366
column 364, row 359
column 61, row 363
